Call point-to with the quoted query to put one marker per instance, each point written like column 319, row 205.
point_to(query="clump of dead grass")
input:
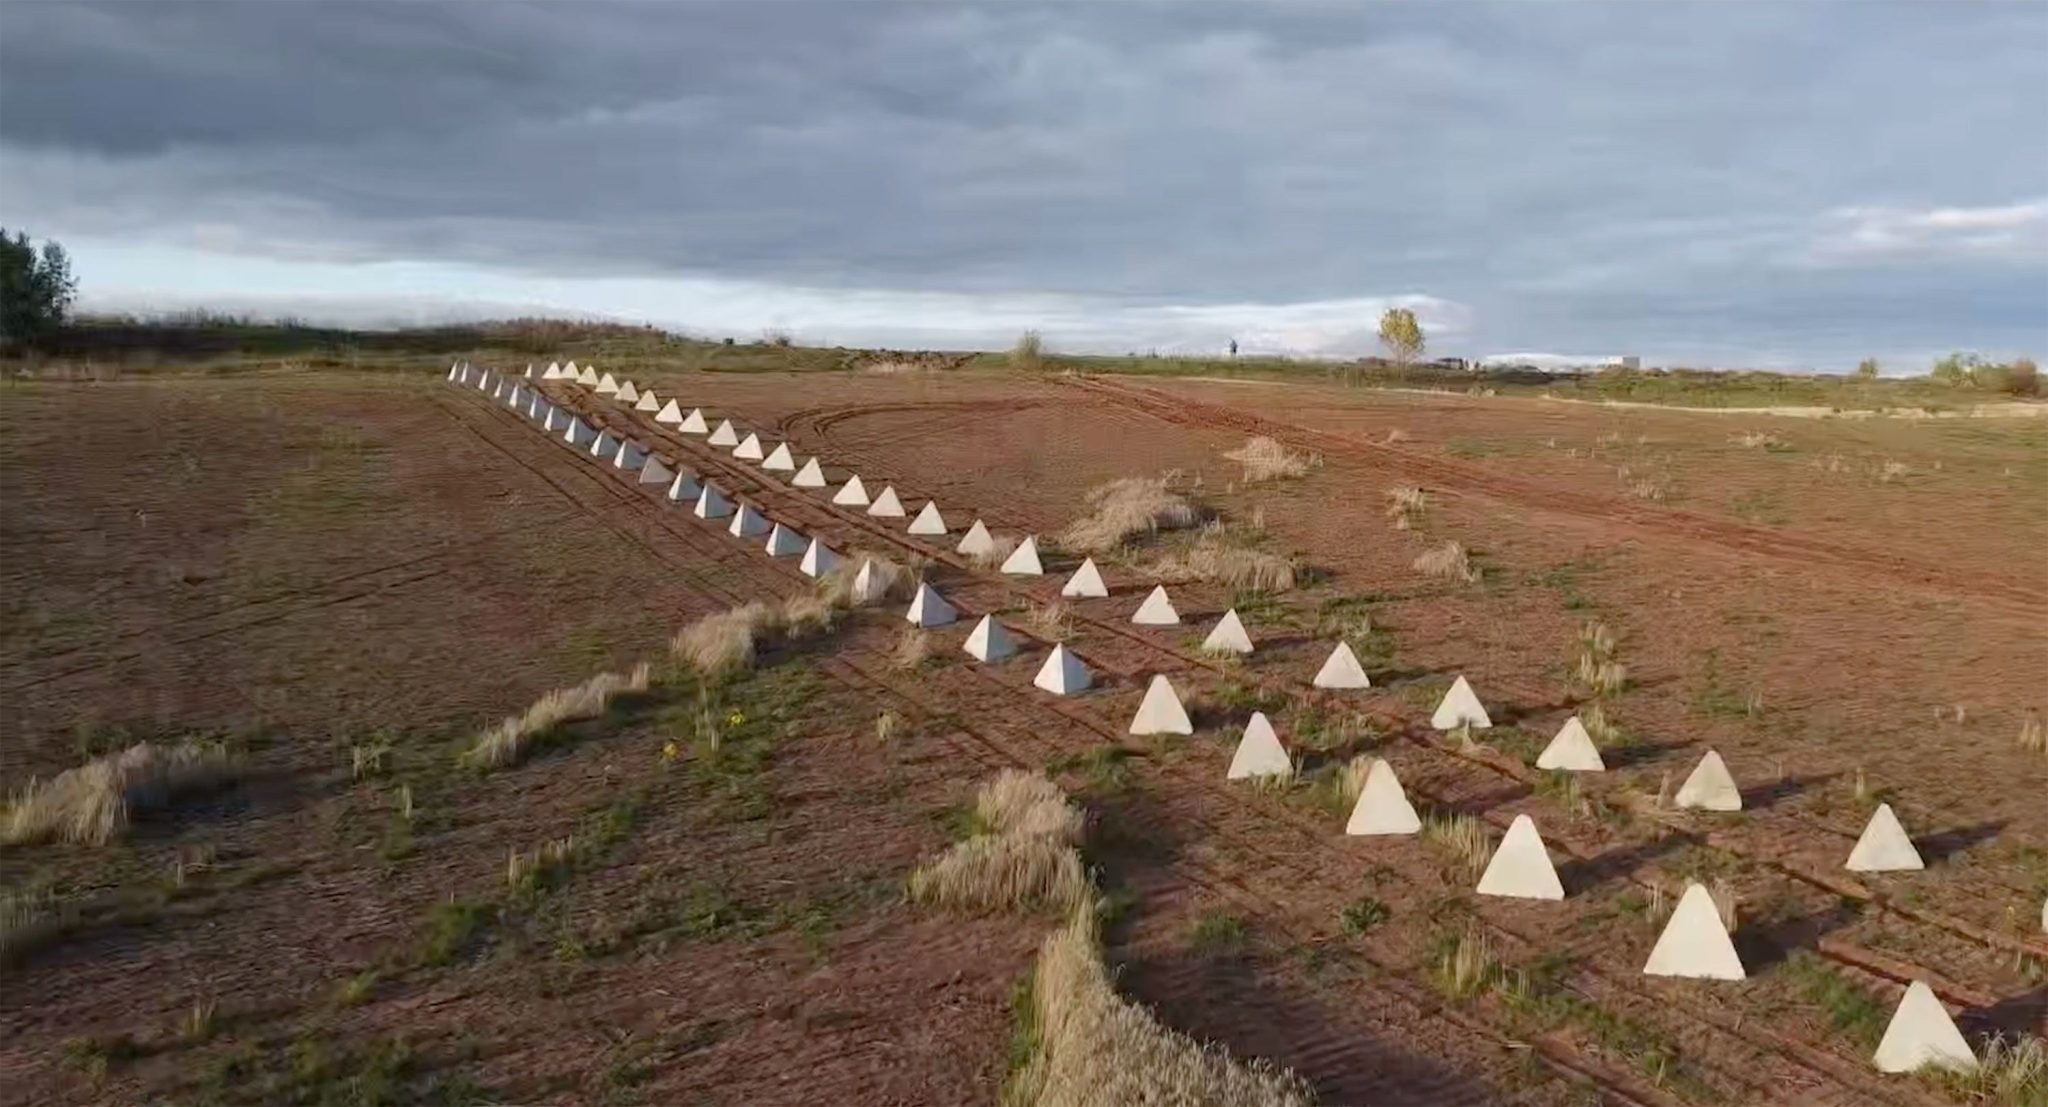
column 1405, row 506
column 889, row 579
column 2033, row 737
column 1266, row 459
column 725, row 641
column 1449, row 561
column 1759, row 440
column 1462, row 837
column 509, row 742
column 1024, row 861
column 93, row 803
column 29, row 921
column 1049, row 621
column 1125, row 508
column 2009, row 1070
column 1237, row 566
column 913, row 648
column 1000, row 547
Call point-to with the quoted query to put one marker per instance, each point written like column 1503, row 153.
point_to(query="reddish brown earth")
column 401, row 555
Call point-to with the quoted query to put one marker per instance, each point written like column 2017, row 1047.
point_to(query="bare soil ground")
column 306, row 563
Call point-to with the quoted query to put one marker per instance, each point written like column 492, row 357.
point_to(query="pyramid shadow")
column 1761, row 796
column 1763, row 944
column 1583, row 875
column 1939, row 847
column 1637, row 753
column 1486, row 801
column 2020, row 1015
column 1382, row 678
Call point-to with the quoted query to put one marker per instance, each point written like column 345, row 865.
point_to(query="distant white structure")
column 1086, row 583
column 630, row 456
column 685, row 489
column 749, row 448
column 887, row 505
column 1382, row 806
column 977, row 540
column 784, row 542
column 724, row 435
column 929, row 609
column 1710, row 787
column 1229, row 635
column 810, row 476
column 588, row 377
column 854, row 494
column 1160, row 712
column 648, row 402
column 712, row 505
column 671, row 414
column 748, row 522
column 1342, row 670
column 1572, row 749
column 928, row 520
column 656, row 472
column 867, row 583
column 1023, row 561
column 605, row 447
column 1063, row 674
column 818, row 560
column 627, row 393
column 578, row 433
column 1521, row 867
column 1259, row 752
column 694, row 423
column 1695, row 943
column 1460, row 707
column 989, row 641
column 1921, row 1033
column 778, row 459
column 607, row 385
column 1157, row 610
column 1885, row 846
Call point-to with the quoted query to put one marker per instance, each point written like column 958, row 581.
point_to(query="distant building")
column 1629, row 362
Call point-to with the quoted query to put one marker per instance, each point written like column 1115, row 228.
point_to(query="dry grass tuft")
column 913, row 648
column 1352, row 780
column 1461, row 836
column 1405, row 506
column 28, row 922
column 508, row 743
column 93, row 802
column 1266, row 459
column 886, row 724
column 2033, row 737
column 1759, row 440
column 1464, row 966
column 1727, row 903
column 1126, row 508
column 725, row 641
column 1026, row 860
column 1447, row 562
column 1049, row 621
column 895, row 578
column 1237, row 566
column 1000, row 548
column 804, row 615
column 1025, row 803
column 2009, row 1070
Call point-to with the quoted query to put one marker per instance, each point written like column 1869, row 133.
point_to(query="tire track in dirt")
column 1687, row 527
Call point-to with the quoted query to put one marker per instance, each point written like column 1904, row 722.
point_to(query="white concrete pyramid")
column 1521, row 867
column 977, row 540
column 928, row 608
column 578, row 432
column 656, row 472
column 810, row 476
column 1921, row 1033
column 854, row 494
column 928, row 520
column 1694, row 942
column 454, row 367
column 1710, row 787
column 605, row 447
column 670, row 414
column 515, row 397
column 694, row 423
column 1382, row 806
column 648, row 402
column 1160, row 711
column 628, row 393
column 818, row 560
column 867, row 583
column 748, row 522
column 989, row 641
column 588, row 377
column 1460, row 707
column 784, row 542
column 1572, row 749
column 749, row 448
column 778, row 459
column 553, row 372
column 535, row 404
column 1229, row 636
column 554, row 420
column 724, row 435
column 483, row 381
column 529, row 370
column 1023, row 561
column 887, row 504
column 1259, row 752
column 711, row 505
column 1157, row 610
column 1086, row 583
column 498, row 388
column 630, row 456
column 684, row 489
column 1342, row 670
column 1884, row 847
column 607, row 385
column 1063, row 674
column 569, row 372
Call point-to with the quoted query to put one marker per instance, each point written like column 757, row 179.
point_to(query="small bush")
column 1361, row 915
column 1049, row 621
column 509, row 742
column 1464, row 966
column 1405, row 506
column 1447, row 562
column 1028, row 353
column 725, row 641
column 913, row 649
column 1266, row 459
column 92, row 803
column 891, row 580
column 1237, row 566
column 29, row 921
column 1125, row 508
column 1000, row 547
column 1462, row 837
column 2033, row 737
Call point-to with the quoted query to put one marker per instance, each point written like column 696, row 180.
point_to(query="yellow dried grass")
column 93, row 803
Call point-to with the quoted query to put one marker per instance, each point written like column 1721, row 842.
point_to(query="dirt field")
column 303, row 564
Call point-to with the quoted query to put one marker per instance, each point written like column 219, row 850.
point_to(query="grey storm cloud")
column 1722, row 178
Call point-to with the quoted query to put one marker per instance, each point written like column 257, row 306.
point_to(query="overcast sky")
column 1729, row 183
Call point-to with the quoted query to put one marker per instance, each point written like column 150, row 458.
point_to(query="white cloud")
column 2018, row 231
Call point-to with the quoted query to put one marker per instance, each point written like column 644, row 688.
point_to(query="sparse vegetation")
column 1760, row 440
column 1266, row 459
column 29, row 921
column 913, row 649
column 2010, row 1070
column 1447, row 562
column 94, row 802
column 1000, row 547
column 1406, row 505
column 512, row 739
column 1125, row 508
column 1028, row 351
column 1216, row 932
column 1462, row 837
column 1402, row 335
column 2033, row 736
column 1597, row 672
column 1239, row 566
column 1463, row 965
column 1024, row 861
column 1361, row 915
column 1049, row 621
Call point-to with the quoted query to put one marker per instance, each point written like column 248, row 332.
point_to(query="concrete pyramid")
column 711, row 505
column 656, row 472
column 1063, row 674
column 670, row 414
column 605, row 447
column 1694, row 942
column 1710, row 787
column 929, row 609
column 854, row 494
column 989, row 641
column 1521, row 867
column 748, row 522
column 724, row 435
column 454, row 367
column 1382, row 806
column 1229, row 635
column 569, row 372
column 1342, row 670
column 628, row 393
column 977, row 540
column 1160, row 711
column 784, row 542
column 483, row 381
column 810, row 476
column 867, row 584
column 818, row 560
column 607, row 385
column 1884, row 846
column 749, row 448
column 534, row 403
column 1460, row 707
column 1572, row 749
column 694, row 423
column 578, row 432
column 778, row 459
column 553, row 372
column 928, row 520
column 554, row 420
column 498, row 389
column 1921, row 1033
column 1086, row 583
column 648, row 402
column 1023, row 561
column 1259, row 752
column 515, row 397
column 630, row 456
column 887, row 504
column 684, row 489
column 1157, row 610
column 588, row 377
column 529, row 370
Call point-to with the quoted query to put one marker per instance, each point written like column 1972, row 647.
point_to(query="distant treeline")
column 206, row 334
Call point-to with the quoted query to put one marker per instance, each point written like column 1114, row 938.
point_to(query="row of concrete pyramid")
column 1694, row 942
